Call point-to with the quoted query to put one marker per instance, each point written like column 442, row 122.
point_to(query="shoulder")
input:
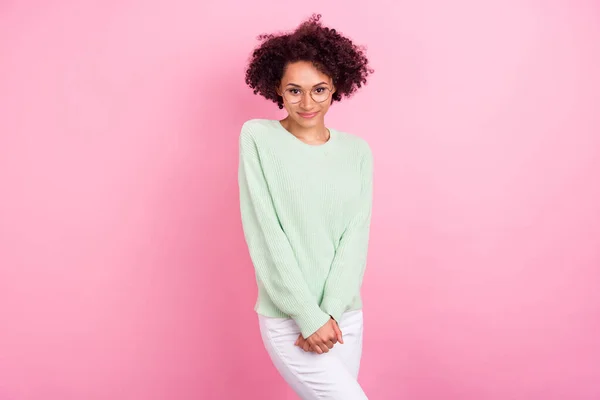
column 257, row 134
column 254, row 128
column 358, row 143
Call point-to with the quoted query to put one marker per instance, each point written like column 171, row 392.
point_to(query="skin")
column 303, row 75
column 323, row 339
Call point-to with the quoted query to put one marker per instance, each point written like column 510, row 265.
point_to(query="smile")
column 308, row 115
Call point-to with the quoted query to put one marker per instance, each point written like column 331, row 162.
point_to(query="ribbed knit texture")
column 306, row 212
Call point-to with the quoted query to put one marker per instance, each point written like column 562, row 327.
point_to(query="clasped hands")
column 323, row 339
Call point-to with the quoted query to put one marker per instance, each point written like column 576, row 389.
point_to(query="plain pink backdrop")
column 123, row 270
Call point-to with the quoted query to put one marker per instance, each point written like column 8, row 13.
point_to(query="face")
column 300, row 79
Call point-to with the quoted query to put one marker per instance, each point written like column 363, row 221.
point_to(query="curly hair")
column 330, row 52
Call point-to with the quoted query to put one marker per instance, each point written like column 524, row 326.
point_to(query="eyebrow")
column 293, row 84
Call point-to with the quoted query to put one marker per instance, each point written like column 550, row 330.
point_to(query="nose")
column 306, row 101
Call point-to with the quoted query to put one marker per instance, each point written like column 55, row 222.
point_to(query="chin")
column 308, row 123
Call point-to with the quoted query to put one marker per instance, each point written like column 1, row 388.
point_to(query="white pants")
column 327, row 376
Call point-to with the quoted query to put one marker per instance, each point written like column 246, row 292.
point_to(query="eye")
column 294, row 91
column 320, row 90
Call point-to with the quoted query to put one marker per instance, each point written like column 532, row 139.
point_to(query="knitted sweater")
column 306, row 213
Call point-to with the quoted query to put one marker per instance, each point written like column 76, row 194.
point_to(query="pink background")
column 123, row 270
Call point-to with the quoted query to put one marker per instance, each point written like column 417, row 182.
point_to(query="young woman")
column 305, row 197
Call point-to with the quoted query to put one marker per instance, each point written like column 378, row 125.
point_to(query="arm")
column 348, row 266
column 273, row 258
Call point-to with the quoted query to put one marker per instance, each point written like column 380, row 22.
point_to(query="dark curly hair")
column 330, row 52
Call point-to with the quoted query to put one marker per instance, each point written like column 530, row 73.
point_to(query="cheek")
column 289, row 108
column 325, row 106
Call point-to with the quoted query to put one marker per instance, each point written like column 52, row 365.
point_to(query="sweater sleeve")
column 348, row 266
column 271, row 253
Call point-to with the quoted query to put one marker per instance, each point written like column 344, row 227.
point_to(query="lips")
column 308, row 115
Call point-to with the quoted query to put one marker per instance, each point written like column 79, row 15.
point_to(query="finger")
column 306, row 347
column 329, row 344
column 317, row 348
column 338, row 333
column 322, row 346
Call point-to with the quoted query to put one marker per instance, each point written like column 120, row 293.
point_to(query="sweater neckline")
column 332, row 137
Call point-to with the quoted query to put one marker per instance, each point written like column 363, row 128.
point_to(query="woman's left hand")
column 304, row 345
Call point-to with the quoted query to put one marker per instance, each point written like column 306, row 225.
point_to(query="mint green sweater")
column 306, row 212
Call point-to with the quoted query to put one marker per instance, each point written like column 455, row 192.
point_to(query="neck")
column 315, row 134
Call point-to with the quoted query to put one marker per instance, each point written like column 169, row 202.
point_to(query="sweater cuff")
column 311, row 319
column 333, row 307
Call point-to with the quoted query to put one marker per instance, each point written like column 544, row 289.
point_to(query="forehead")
column 303, row 73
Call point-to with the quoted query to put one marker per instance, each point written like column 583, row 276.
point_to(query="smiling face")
column 306, row 93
